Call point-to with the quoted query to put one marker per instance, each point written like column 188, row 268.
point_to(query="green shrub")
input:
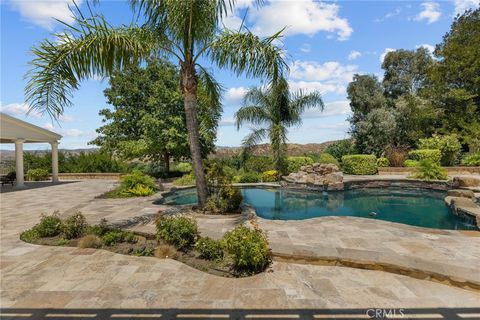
column 209, row 249
column 182, row 232
column 270, row 176
column 448, row 145
column 112, row 237
column 136, row 178
column 98, row 229
column 248, row 249
column 29, row 235
column 429, row 170
column 359, row 164
column 471, row 159
column 37, row 174
column 49, row 226
column 74, row 226
column 294, row 163
column 140, row 191
column 326, row 158
column 340, row 148
column 258, row 164
column 383, row 162
column 410, row 163
column 184, row 167
column 248, row 177
column 227, row 200
column 433, row 155
column 185, row 180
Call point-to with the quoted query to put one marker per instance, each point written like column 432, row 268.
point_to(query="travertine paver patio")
column 57, row 277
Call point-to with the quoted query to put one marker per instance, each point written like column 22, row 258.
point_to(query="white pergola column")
column 19, row 162
column 54, row 145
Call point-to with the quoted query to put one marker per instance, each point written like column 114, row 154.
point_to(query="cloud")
column 44, row 12
column 234, row 95
column 387, row 50
column 19, row 110
column 64, row 132
column 431, row 12
column 334, row 108
column 427, row 46
column 389, row 15
column 306, row 48
column 227, row 122
column 354, row 55
column 462, row 5
column 301, row 17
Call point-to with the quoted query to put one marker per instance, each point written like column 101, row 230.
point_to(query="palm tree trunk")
column 189, row 85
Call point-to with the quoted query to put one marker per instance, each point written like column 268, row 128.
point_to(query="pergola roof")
column 12, row 129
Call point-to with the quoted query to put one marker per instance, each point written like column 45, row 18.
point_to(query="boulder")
column 320, row 175
column 466, row 182
column 461, row 193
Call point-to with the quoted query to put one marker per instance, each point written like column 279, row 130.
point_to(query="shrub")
column 184, row 167
column 165, row 251
column 270, row 176
column 29, row 235
column 294, row 163
column 258, row 164
column 181, row 231
column 112, row 237
column 143, row 252
column 89, row 241
column 37, row 174
column 224, row 197
column 359, row 164
column 326, row 158
column 340, row 148
column 471, row 159
column 185, row 180
column 140, row 191
column 136, row 178
column 49, row 226
column 383, row 162
column 129, row 237
column 429, row 170
column 396, row 155
column 98, row 229
column 433, row 155
column 248, row 248
column 410, row 163
column 75, row 226
column 62, row 242
column 209, row 249
column 448, row 145
column 248, row 177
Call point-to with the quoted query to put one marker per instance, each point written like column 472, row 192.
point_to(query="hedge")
column 359, row 164
column 294, row 163
column 433, row 155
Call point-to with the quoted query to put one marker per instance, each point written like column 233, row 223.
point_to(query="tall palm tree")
column 272, row 111
column 185, row 30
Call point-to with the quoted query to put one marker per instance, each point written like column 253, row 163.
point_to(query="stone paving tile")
column 62, row 277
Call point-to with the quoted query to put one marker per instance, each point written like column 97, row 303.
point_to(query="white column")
column 54, row 145
column 19, row 162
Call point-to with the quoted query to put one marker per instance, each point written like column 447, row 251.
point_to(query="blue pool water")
column 414, row 207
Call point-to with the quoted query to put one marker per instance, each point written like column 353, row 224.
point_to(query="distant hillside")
column 294, row 149
column 7, row 155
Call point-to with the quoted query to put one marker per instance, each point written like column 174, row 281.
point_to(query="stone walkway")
column 57, row 277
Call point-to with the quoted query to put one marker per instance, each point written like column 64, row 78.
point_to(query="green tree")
column 406, row 71
column 365, row 93
column 455, row 79
column 148, row 120
column 272, row 111
column 188, row 31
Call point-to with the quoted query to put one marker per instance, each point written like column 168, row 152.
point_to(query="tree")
column 455, row 79
column 406, row 71
column 365, row 94
column 187, row 31
column 148, row 120
column 272, row 111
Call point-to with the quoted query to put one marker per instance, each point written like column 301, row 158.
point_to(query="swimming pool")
column 423, row 208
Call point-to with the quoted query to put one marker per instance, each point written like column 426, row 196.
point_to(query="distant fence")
column 450, row 170
column 84, row 176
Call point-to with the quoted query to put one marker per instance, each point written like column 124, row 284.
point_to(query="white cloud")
column 44, row 12
column 427, row 46
column 389, row 15
column 227, row 122
column 431, row 12
column 301, row 17
column 64, row 132
column 387, row 50
column 19, row 110
column 334, row 108
column 354, row 55
column 306, row 48
column 462, row 5
column 235, row 95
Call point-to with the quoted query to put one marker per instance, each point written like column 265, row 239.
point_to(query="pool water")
column 414, row 207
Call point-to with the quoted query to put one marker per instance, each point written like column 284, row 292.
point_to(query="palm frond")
column 254, row 138
column 93, row 48
column 211, row 86
column 301, row 101
column 256, row 96
column 255, row 115
column 244, row 52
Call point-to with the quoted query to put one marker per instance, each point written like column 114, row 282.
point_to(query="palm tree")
column 185, row 30
column 272, row 111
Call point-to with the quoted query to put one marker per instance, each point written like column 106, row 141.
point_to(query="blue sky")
column 326, row 43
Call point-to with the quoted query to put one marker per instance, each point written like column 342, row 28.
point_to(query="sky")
column 325, row 44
